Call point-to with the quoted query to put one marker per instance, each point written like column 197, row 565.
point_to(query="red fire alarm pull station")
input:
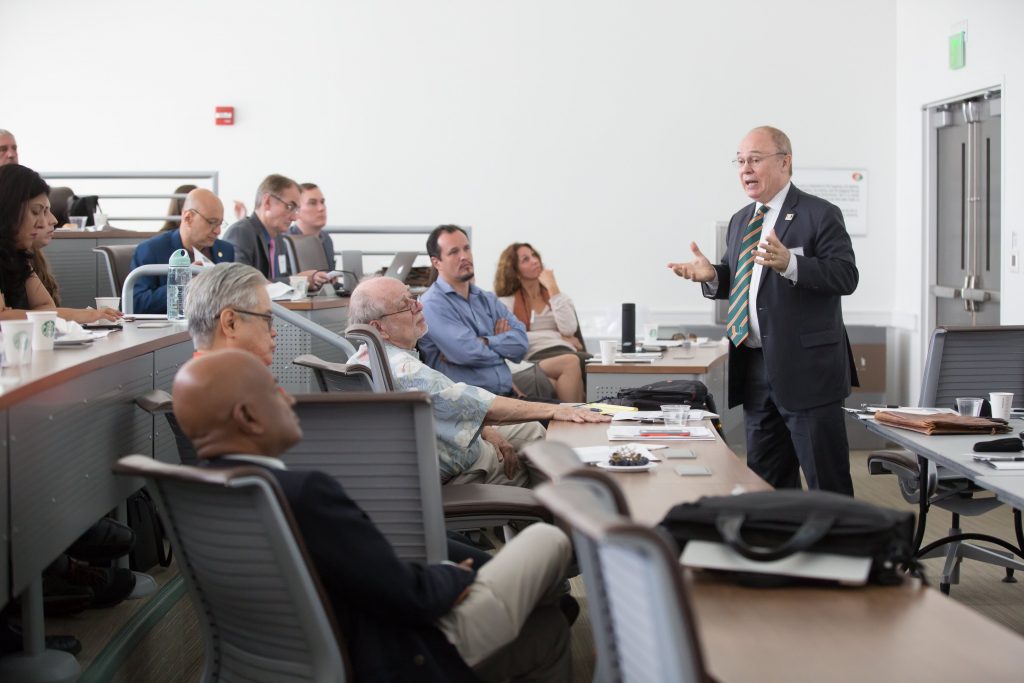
column 225, row 116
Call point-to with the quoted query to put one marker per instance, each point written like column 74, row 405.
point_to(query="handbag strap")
column 810, row 532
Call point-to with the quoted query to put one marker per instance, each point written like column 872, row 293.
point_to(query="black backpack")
column 84, row 206
column 669, row 392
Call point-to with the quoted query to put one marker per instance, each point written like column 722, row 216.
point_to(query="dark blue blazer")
column 807, row 352
column 385, row 606
column 150, row 293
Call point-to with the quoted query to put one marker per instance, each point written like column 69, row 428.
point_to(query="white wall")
column 601, row 131
column 995, row 57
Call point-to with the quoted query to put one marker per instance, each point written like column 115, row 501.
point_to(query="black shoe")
column 105, row 540
column 570, row 608
column 109, row 586
column 62, row 597
column 11, row 641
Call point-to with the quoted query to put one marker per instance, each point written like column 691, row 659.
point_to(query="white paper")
column 632, row 433
column 279, row 290
column 594, row 454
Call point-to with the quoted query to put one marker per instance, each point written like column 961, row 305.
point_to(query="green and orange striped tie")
column 739, row 296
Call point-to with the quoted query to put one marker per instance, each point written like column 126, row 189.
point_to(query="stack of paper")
column 657, row 417
column 660, row 433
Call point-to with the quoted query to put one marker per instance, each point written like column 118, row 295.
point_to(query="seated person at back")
column 24, row 216
column 202, row 217
column 471, row 334
column 469, row 452
column 311, row 219
column 531, row 292
column 400, row 620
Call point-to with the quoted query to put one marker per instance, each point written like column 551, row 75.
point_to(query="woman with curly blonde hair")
column 531, row 292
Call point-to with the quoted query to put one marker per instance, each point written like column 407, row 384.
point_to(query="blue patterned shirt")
column 459, row 409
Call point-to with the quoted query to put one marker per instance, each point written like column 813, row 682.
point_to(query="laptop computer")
column 401, row 265
column 352, row 269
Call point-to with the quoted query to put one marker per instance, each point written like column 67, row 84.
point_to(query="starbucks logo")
column 49, row 328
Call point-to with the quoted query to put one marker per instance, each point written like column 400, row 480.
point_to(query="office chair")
column 633, row 577
column 961, row 361
column 270, row 622
column 118, row 260
column 337, row 376
column 304, row 252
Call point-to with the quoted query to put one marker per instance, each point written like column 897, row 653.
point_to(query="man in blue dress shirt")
column 202, row 217
column 470, row 333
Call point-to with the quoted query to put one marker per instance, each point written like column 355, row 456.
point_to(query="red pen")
column 668, row 434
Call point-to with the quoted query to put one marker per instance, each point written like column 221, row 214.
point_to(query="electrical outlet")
column 1015, row 261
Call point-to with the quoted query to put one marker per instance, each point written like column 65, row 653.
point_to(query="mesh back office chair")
column 118, row 259
column 260, row 604
column 304, row 252
column 558, row 462
column 383, row 450
column 336, row 376
column 961, row 361
column 60, row 202
column 651, row 628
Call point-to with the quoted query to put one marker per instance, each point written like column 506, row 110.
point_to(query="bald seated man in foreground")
column 202, row 217
column 470, row 449
column 401, row 621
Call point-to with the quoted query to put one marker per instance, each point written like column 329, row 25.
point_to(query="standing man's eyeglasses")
column 754, row 160
column 292, row 207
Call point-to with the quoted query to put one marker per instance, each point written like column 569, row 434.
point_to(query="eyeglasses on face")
column 212, row 222
column 414, row 305
column 754, row 160
column 292, row 207
column 267, row 317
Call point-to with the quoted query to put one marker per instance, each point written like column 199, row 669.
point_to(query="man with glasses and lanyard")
column 257, row 236
column 788, row 262
column 202, row 217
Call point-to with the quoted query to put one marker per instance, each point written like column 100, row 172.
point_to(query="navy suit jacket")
column 385, row 607
column 806, row 349
column 150, row 292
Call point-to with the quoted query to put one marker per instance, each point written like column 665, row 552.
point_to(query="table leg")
column 36, row 664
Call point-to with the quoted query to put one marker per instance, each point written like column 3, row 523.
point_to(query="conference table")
column 909, row 632
column 707, row 363
column 65, row 419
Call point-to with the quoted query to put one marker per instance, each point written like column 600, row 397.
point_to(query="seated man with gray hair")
column 470, row 450
column 227, row 307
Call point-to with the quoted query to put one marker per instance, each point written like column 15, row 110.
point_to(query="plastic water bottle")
column 179, row 274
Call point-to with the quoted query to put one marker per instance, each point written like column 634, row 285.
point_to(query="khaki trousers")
column 509, row 627
column 489, row 470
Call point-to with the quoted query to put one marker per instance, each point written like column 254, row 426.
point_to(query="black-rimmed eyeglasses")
column 267, row 317
column 292, row 207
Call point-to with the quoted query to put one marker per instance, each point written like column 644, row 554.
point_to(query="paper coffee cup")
column 1001, row 402
column 44, row 329
column 17, row 342
column 108, row 302
column 608, row 351
column 300, row 286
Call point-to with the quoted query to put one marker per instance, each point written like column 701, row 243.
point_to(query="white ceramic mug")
column 1001, row 402
column 44, row 329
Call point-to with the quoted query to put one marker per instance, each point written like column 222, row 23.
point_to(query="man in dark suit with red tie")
column 788, row 262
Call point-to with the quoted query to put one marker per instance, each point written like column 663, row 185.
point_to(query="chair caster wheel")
column 944, row 587
column 1009, row 578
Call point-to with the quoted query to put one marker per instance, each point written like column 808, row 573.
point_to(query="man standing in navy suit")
column 202, row 217
column 788, row 262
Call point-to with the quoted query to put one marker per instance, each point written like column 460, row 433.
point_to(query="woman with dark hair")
column 531, row 292
column 24, row 214
column 41, row 267
column 175, row 207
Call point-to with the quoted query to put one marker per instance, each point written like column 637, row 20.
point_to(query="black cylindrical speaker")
column 629, row 328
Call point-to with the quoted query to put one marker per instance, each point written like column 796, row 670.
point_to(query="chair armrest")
column 493, row 500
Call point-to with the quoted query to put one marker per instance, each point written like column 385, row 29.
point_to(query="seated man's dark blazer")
column 150, row 292
column 252, row 246
column 385, row 607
